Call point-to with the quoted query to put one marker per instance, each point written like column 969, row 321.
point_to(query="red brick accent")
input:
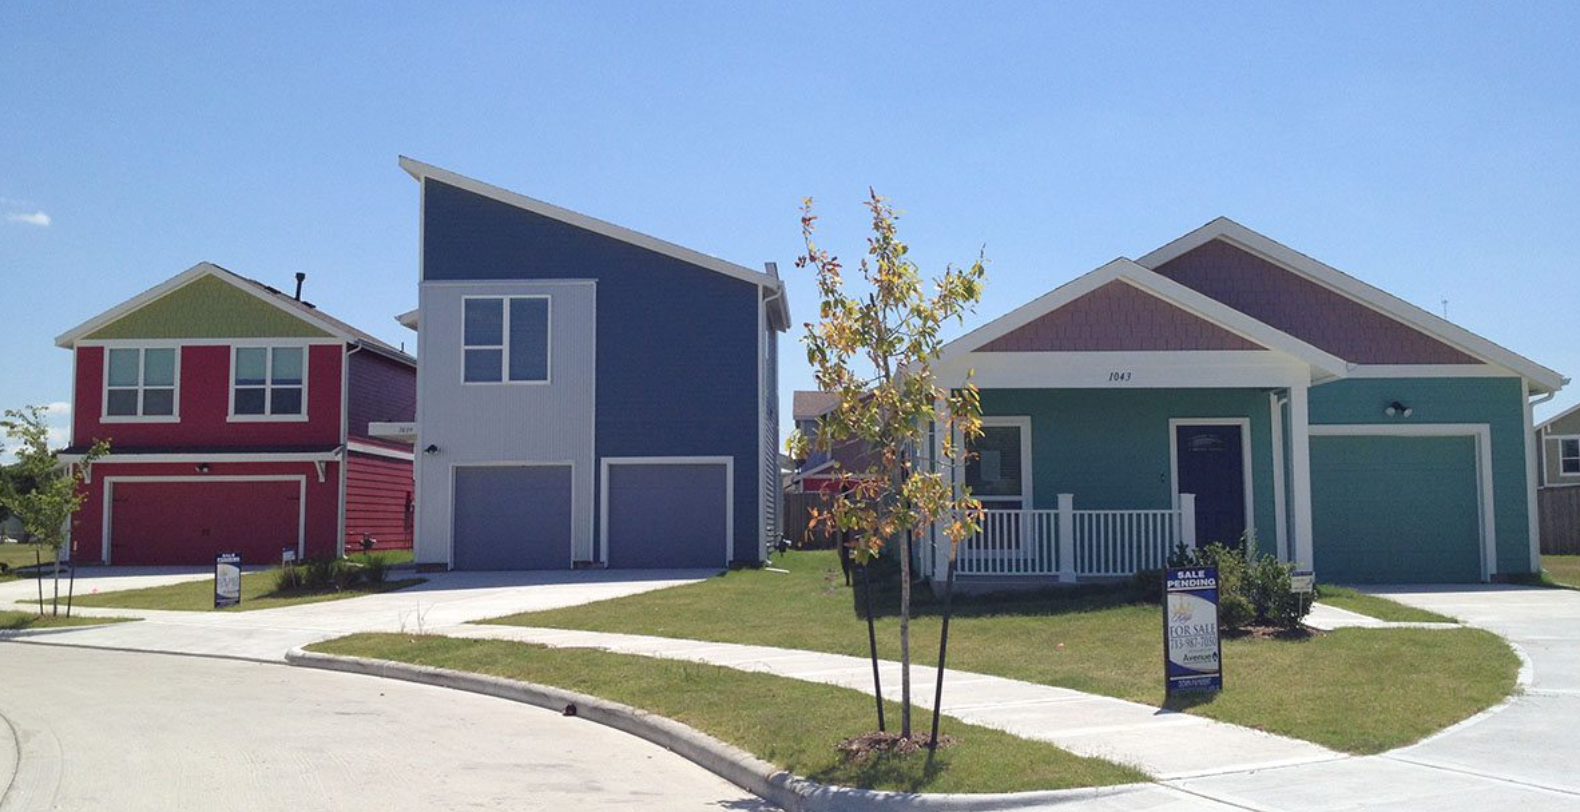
column 1118, row 317
column 1305, row 309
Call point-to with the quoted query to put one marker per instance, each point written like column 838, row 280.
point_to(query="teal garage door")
column 1395, row 510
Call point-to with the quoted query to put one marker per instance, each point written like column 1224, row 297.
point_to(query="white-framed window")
column 268, row 383
column 505, row 339
column 1569, row 456
column 140, row 383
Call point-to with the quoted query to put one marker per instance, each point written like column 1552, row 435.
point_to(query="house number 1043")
column 1118, row 377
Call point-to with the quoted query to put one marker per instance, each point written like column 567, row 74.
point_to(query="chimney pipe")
column 301, row 277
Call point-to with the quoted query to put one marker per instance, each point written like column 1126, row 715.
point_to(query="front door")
column 1210, row 463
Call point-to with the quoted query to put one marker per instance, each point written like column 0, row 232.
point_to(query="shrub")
column 288, row 579
column 1271, row 593
column 375, row 568
column 1147, row 585
column 344, row 574
column 1251, row 587
column 318, row 573
column 1235, row 609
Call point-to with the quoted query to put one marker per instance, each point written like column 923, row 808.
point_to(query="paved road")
column 105, row 730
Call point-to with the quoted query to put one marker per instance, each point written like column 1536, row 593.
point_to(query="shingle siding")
column 1118, row 317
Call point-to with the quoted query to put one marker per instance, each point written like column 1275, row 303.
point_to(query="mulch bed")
column 865, row 746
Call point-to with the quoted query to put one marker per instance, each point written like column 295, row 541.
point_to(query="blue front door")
column 1211, row 465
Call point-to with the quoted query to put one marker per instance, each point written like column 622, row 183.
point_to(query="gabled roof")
column 1557, row 417
column 770, row 279
column 1166, row 289
column 806, row 404
column 1223, row 228
column 270, row 295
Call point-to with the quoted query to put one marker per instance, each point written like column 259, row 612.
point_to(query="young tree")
column 875, row 349
column 55, row 495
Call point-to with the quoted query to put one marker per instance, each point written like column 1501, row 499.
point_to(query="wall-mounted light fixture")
column 431, row 449
column 1397, row 409
column 202, row 467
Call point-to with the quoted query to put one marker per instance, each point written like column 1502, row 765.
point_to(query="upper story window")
column 1569, row 456
column 140, row 383
column 269, row 383
column 505, row 339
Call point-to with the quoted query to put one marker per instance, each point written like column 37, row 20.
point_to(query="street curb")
column 783, row 789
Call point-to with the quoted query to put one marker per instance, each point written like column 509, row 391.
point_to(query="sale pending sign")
column 1192, row 649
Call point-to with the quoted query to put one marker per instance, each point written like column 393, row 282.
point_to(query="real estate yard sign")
column 1192, row 649
column 227, row 579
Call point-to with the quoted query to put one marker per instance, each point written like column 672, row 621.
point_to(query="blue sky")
column 1427, row 148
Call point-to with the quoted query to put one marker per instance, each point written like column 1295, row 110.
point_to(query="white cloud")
column 59, row 407
column 37, row 218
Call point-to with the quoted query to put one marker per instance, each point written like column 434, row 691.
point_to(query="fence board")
column 1559, row 509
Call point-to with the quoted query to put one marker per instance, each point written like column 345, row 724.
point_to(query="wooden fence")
column 1559, row 509
column 797, row 513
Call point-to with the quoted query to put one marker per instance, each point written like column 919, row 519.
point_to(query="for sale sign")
column 1192, row 649
column 227, row 579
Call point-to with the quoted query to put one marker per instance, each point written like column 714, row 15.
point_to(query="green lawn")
column 1373, row 606
column 18, row 621
column 1563, row 569
column 20, row 555
column 257, row 592
column 789, row 723
column 1357, row 690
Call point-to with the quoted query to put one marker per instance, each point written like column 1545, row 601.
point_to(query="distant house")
column 820, row 471
column 238, row 418
column 1558, row 494
column 590, row 395
column 1225, row 387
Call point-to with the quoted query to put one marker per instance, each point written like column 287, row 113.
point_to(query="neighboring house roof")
column 768, row 279
column 204, row 270
column 806, row 404
column 1563, row 415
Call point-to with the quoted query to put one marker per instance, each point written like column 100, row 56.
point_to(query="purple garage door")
column 667, row 515
column 513, row 517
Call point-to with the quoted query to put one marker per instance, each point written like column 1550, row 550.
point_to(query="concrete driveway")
column 129, row 731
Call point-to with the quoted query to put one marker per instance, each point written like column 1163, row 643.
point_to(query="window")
column 505, row 339
column 1569, row 456
column 268, row 382
column 996, row 468
column 140, row 383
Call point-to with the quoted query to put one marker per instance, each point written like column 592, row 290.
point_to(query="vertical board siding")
column 378, row 389
column 1560, row 520
column 378, row 501
column 677, row 367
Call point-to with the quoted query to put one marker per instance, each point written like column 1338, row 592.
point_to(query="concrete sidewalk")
column 1325, row 617
column 1164, row 744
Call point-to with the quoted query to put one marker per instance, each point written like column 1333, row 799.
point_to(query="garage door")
column 667, row 515
column 168, row 523
column 514, row 517
column 1395, row 509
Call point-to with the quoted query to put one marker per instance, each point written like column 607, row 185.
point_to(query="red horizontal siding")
column 378, row 501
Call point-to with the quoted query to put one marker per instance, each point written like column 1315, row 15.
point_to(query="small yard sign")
column 227, row 579
column 1192, row 649
column 287, row 555
column 1302, row 582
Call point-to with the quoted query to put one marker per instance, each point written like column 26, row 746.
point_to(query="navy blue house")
column 587, row 395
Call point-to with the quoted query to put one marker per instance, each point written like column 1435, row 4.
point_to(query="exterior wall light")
column 1397, row 409
column 431, row 449
column 202, row 467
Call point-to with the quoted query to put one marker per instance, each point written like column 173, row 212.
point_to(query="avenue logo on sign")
column 1193, row 651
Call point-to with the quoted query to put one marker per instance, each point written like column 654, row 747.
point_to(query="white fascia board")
column 69, row 338
column 1124, row 270
column 1545, row 379
column 419, row 171
column 410, row 319
column 378, row 451
column 236, row 456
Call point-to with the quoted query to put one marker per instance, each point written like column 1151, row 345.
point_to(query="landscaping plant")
column 875, row 348
column 1253, row 588
column 55, row 492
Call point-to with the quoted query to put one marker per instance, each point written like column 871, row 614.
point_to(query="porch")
column 1071, row 545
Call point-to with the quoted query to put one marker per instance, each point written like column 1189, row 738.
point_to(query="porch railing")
column 1073, row 544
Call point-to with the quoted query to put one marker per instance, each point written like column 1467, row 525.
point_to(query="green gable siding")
column 1110, row 447
column 1569, row 424
column 208, row 308
column 1497, row 402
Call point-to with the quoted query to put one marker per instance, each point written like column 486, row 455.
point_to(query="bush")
column 1252, row 588
column 318, row 573
column 375, row 568
column 1270, row 592
column 1147, row 586
column 344, row 574
column 1235, row 609
column 288, row 579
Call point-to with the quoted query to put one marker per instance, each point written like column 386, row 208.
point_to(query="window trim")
column 104, row 388
column 1562, row 457
column 504, row 348
column 268, row 384
column 1022, row 422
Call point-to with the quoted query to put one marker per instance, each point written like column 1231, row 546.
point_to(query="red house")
column 238, row 420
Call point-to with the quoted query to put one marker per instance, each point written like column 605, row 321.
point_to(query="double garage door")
column 1395, row 509
column 173, row 523
column 653, row 515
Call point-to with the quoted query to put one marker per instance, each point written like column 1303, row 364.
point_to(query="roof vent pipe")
column 301, row 276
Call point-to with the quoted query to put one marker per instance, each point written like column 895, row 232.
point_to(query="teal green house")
column 1227, row 388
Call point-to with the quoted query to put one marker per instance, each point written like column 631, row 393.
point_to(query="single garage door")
column 1395, row 509
column 512, row 517
column 667, row 515
column 170, row 523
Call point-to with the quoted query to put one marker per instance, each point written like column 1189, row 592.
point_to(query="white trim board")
column 729, row 495
column 1372, row 297
column 1483, row 436
column 379, row 451
column 1244, row 425
column 109, row 501
column 225, row 456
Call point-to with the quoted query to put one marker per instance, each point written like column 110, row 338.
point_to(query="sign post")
column 227, row 580
column 1192, row 648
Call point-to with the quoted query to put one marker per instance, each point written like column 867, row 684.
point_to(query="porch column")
column 1300, row 473
column 1067, row 537
column 1280, row 501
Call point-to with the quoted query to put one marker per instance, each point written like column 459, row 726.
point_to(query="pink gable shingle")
column 1305, row 309
column 1118, row 317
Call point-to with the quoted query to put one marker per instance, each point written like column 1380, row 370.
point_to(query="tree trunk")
column 872, row 645
column 55, row 599
column 943, row 651
column 38, row 576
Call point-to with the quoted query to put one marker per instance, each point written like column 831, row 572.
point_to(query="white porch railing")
column 1073, row 544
